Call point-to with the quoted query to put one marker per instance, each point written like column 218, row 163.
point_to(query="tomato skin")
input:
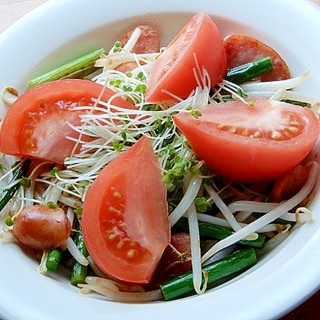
column 41, row 116
column 173, row 71
column 125, row 220
column 224, row 137
column 241, row 49
column 42, row 227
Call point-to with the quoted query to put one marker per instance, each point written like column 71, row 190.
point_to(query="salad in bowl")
column 162, row 157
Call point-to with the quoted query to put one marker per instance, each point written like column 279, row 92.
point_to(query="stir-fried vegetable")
column 129, row 158
column 249, row 71
column 79, row 271
column 77, row 68
column 232, row 264
column 8, row 192
column 53, row 259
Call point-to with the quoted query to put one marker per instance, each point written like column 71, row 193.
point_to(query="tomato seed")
column 29, row 143
column 220, row 126
column 130, row 253
column 276, row 135
column 294, row 123
column 245, row 132
column 293, row 129
column 233, row 130
column 256, row 134
column 288, row 133
column 117, row 194
column 120, row 244
column 115, row 210
column 112, row 236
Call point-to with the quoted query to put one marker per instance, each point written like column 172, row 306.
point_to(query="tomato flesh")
column 200, row 42
column 37, row 125
column 253, row 142
column 125, row 216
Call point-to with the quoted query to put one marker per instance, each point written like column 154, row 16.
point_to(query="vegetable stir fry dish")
column 148, row 173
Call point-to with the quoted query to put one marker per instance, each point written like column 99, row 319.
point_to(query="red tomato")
column 36, row 125
column 125, row 216
column 242, row 49
column 173, row 71
column 251, row 142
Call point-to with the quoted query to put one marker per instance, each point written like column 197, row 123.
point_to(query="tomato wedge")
column 125, row 216
column 241, row 49
column 253, row 142
column 37, row 125
column 200, row 42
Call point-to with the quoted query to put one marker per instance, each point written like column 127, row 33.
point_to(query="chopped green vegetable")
column 79, row 271
column 221, row 269
column 298, row 103
column 117, row 47
column 249, row 71
column 8, row 193
column 9, row 221
column 202, row 204
column 54, row 171
column 53, row 259
column 218, row 232
column 77, row 68
column 25, row 182
column 52, row 204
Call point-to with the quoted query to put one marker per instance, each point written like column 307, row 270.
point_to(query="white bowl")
column 61, row 29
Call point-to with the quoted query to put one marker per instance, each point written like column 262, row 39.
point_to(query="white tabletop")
column 12, row 10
